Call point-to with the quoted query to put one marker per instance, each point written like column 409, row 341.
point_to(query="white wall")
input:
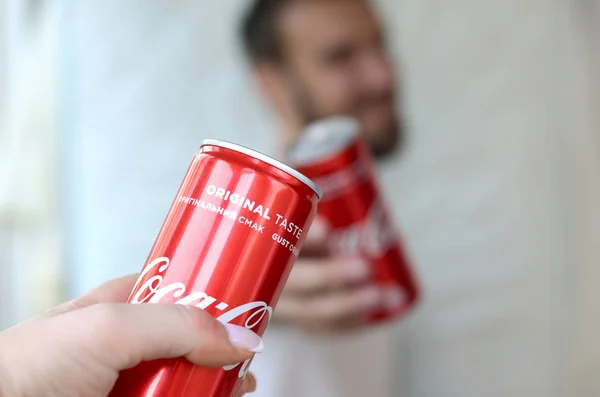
column 496, row 196
column 145, row 82
column 29, row 236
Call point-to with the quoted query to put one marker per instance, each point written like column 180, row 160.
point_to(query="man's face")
column 335, row 63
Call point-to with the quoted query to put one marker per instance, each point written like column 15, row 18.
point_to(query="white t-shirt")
column 494, row 194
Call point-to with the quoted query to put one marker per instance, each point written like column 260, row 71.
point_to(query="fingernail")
column 244, row 338
column 358, row 269
column 370, row 297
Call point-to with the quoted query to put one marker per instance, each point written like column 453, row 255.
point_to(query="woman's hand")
column 78, row 348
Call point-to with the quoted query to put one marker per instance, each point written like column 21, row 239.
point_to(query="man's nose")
column 378, row 73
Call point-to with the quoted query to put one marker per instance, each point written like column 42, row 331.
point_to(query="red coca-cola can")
column 333, row 154
column 227, row 246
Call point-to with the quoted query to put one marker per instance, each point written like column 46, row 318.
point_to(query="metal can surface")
column 332, row 153
column 227, row 246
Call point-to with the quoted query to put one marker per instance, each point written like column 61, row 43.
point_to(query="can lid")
column 323, row 138
column 266, row 159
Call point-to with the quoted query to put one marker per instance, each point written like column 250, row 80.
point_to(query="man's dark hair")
column 259, row 30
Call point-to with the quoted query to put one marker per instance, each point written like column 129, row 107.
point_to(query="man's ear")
column 274, row 84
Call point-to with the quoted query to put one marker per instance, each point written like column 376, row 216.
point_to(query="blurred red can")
column 332, row 153
column 227, row 246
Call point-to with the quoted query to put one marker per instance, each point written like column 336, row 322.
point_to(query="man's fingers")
column 335, row 328
column 315, row 271
column 315, row 244
column 248, row 385
column 310, row 276
column 337, row 306
column 125, row 335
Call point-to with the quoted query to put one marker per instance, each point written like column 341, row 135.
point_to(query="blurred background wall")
column 507, row 87
column 174, row 77
column 29, row 217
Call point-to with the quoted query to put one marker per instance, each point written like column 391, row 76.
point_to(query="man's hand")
column 325, row 295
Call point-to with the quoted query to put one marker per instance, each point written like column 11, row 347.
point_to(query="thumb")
column 123, row 335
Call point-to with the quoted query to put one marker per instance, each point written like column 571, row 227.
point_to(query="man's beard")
column 381, row 143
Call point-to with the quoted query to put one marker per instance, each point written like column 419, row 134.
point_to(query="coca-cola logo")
column 372, row 237
column 153, row 291
column 333, row 185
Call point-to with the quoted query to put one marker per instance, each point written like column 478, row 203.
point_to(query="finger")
column 338, row 306
column 315, row 244
column 116, row 290
column 248, row 385
column 334, row 328
column 310, row 276
column 124, row 335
